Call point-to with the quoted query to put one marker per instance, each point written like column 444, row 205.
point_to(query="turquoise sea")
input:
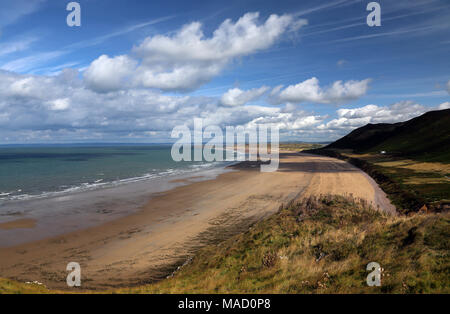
column 39, row 171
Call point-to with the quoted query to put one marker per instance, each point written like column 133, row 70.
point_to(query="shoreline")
column 62, row 214
column 148, row 245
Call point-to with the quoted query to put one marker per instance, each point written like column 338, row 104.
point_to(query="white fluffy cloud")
column 310, row 91
column 445, row 105
column 187, row 59
column 105, row 73
column 60, row 104
column 238, row 97
column 353, row 118
column 294, row 121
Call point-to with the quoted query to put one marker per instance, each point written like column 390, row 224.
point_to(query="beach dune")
column 149, row 244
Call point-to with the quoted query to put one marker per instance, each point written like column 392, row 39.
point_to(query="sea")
column 68, row 187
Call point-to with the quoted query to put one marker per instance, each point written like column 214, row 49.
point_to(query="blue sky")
column 135, row 69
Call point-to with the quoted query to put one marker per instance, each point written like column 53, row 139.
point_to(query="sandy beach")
column 149, row 244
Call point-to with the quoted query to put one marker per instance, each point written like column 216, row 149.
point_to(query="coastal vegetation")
column 298, row 147
column 322, row 245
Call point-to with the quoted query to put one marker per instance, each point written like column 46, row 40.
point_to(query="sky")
column 133, row 70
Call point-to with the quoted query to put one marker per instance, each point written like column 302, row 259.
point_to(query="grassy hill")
column 423, row 138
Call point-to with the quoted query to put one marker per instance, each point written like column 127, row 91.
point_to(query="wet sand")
column 18, row 224
column 149, row 244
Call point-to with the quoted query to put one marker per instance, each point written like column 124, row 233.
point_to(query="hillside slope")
column 322, row 246
column 426, row 137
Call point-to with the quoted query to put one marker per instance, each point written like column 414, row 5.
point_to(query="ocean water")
column 67, row 188
column 42, row 171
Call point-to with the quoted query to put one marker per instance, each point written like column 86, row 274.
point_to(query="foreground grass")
column 315, row 246
column 322, row 246
column 14, row 287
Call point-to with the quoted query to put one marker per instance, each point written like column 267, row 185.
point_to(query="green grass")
column 411, row 184
column 14, row 287
column 298, row 147
column 322, row 246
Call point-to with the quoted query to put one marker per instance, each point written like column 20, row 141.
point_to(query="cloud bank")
column 352, row 118
column 61, row 108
